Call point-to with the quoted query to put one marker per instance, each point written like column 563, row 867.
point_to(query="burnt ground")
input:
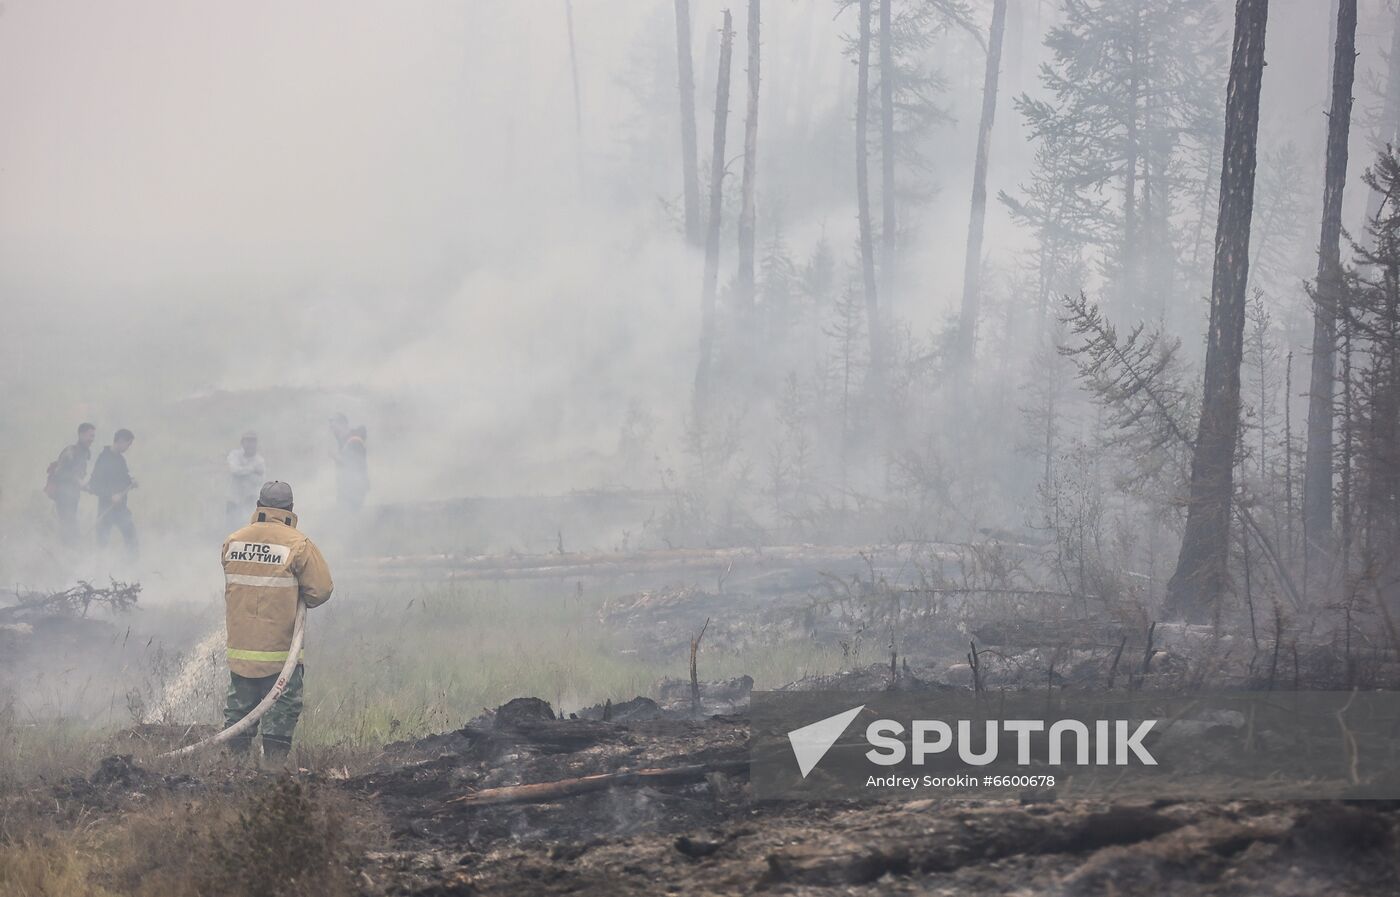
column 702, row 834
column 697, row 830
column 706, row 836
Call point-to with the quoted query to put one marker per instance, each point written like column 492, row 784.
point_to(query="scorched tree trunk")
column 707, row 299
column 1201, row 571
column 1317, row 467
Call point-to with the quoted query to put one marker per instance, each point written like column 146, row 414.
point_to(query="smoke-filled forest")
column 578, row 391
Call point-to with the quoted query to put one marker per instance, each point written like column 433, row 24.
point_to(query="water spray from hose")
column 247, row 722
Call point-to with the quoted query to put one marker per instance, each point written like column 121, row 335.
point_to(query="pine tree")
column 1384, row 124
column 1263, row 359
column 848, row 360
column 1047, row 389
column 1278, row 220
column 906, row 94
column 1065, row 219
column 819, row 274
column 1138, row 381
column 792, row 461
column 779, row 286
column 647, row 131
column 1372, row 319
column 1131, row 83
column 911, row 105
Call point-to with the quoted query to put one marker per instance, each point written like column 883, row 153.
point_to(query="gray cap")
column 275, row 494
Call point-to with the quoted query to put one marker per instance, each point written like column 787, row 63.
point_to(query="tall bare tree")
column 867, row 238
column 1317, row 467
column 972, row 265
column 690, row 166
column 889, row 225
column 1330, row 68
column 745, row 284
column 711, row 285
column 578, row 102
column 1201, row 575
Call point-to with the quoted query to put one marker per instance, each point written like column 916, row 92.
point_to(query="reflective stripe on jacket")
column 267, row 565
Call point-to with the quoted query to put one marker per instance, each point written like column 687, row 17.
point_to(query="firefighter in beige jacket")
column 268, row 565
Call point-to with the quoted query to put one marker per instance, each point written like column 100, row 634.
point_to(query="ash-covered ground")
column 652, row 795
column 685, row 822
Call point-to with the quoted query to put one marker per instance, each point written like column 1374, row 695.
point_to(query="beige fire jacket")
column 267, row 564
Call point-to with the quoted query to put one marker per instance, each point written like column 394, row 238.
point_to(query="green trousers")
column 280, row 721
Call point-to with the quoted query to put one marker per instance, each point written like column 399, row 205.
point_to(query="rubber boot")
column 275, row 750
column 239, row 748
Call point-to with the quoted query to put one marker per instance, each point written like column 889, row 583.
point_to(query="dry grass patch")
column 279, row 836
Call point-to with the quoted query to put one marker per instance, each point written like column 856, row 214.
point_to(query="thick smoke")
column 253, row 216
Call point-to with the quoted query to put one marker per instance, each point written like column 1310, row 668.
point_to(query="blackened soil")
column 701, row 833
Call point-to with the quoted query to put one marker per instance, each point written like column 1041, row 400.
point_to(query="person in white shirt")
column 246, row 469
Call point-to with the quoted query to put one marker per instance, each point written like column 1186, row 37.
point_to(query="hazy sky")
column 172, row 142
column 355, row 143
column 385, row 196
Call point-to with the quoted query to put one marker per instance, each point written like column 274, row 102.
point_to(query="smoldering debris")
column 521, row 800
column 61, row 621
column 75, row 601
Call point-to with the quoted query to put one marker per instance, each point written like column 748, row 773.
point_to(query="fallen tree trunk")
column 604, row 563
column 1055, row 634
column 544, row 792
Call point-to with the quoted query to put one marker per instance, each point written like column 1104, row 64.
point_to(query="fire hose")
column 247, row 722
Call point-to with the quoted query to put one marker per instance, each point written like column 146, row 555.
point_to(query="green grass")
column 383, row 664
column 411, row 661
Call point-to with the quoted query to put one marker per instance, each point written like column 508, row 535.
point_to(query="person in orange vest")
column 268, row 566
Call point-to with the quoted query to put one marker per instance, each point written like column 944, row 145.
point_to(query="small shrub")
column 283, row 840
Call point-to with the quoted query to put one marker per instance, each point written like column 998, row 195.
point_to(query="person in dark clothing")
column 111, row 482
column 65, row 481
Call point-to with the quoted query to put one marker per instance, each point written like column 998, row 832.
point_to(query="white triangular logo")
column 810, row 743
